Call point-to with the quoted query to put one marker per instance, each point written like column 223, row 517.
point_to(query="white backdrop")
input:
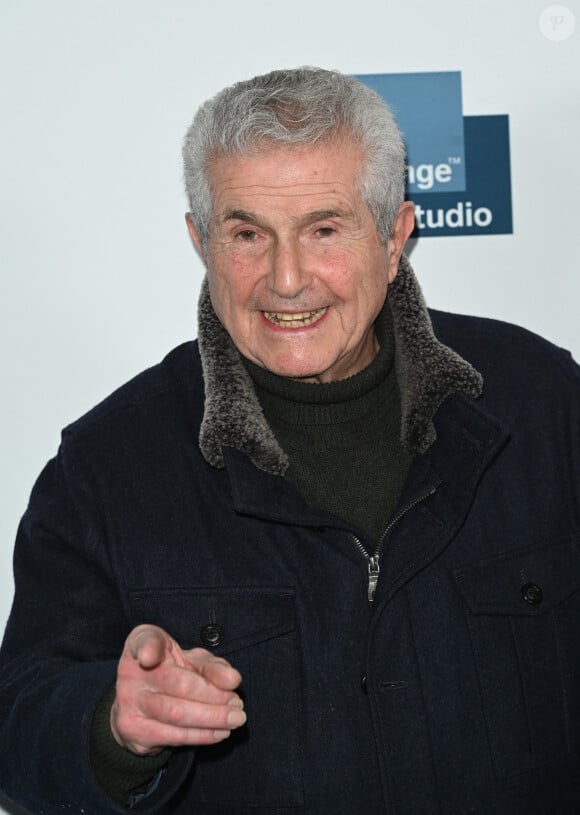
column 99, row 279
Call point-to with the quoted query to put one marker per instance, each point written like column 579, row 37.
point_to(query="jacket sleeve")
column 60, row 651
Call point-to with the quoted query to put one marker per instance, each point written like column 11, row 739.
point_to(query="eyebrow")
column 308, row 218
column 238, row 215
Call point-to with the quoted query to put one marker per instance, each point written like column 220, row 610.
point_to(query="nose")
column 288, row 273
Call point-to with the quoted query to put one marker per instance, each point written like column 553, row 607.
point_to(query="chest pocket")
column 253, row 628
column 523, row 612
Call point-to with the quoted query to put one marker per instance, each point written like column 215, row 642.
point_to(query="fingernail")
column 236, row 718
column 221, row 734
column 235, row 700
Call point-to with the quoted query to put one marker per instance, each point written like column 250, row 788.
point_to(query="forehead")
column 288, row 175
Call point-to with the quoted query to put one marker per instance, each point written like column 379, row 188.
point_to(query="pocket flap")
column 525, row 582
column 237, row 617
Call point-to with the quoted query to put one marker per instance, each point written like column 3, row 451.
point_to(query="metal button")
column 532, row 594
column 363, row 683
column 211, row 635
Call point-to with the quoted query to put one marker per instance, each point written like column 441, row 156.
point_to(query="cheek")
column 355, row 279
column 232, row 282
column 339, row 270
column 231, row 277
column 241, row 266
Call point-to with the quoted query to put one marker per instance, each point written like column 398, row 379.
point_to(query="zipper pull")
column 374, row 570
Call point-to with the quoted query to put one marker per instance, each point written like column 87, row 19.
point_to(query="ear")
column 403, row 225
column 194, row 236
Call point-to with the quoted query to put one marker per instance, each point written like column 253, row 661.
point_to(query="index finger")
column 148, row 644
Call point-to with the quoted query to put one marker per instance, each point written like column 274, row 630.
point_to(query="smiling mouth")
column 284, row 319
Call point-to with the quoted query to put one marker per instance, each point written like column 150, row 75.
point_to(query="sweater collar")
column 427, row 372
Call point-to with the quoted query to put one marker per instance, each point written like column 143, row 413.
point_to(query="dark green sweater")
column 343, row 438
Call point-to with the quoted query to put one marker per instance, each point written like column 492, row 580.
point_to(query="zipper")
column 374, row 560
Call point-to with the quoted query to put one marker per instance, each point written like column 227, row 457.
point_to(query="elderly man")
column 335, row 542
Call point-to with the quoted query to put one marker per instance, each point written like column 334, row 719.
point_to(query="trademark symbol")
column 454, row 160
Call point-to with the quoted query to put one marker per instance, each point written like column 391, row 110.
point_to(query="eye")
column 247, row 235
column 325, row 231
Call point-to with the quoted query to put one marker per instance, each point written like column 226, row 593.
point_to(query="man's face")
column 296, row 269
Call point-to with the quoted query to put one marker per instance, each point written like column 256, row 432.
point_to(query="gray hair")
column 297, row 107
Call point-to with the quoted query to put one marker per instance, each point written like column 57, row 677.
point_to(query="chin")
column 309, row 374
column 290, row 371
column 294, row 367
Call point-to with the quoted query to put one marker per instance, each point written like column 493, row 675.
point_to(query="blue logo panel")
column 428, row 109
column 485, row 208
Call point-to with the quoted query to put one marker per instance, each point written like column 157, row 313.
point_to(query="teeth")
column 296, row 320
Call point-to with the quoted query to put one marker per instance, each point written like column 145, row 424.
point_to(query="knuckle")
column 168, row 709
column 184, row 685
column 214, row 716
column 200, row 655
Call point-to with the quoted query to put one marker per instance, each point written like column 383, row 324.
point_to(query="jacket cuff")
column 120, row 772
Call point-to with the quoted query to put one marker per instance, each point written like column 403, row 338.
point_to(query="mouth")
column 285, row 319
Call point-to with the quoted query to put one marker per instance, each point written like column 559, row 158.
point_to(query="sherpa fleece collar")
column 427, row 372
